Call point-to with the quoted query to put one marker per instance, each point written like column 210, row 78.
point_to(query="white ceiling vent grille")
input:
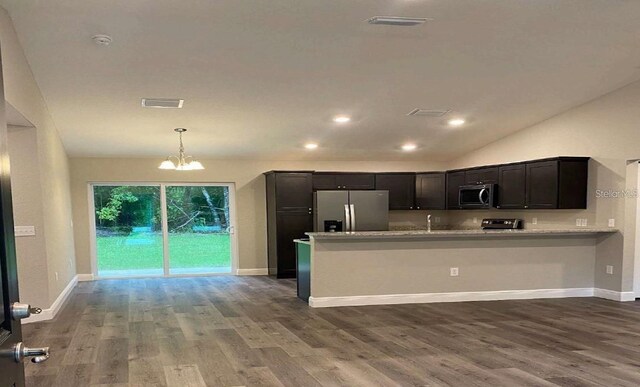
column 428, row 112
column 398, row 21
column 162, row 103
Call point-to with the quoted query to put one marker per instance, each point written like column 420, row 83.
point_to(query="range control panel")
column 501, row 224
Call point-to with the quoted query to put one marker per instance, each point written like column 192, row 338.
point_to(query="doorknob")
column 20, row 311
column 19, row 352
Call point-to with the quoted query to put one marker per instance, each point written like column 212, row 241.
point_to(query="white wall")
column 22, row 92
column 250, row 192
column 28, row 211
column 606, row 129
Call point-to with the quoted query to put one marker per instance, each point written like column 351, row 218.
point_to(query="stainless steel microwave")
column 477, row 196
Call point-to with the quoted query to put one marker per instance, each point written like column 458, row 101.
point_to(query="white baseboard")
column 323, row 302
column 52, row 311
column 85, row 277
column 614, row 295
column 264, row 271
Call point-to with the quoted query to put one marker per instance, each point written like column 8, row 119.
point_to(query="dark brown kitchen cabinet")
column 349, row 181
column 401, row 187
column 481, row 175
column 290, row 226
column 512, row 189
column 454, row 181
column 542, row 184
column 431, row 191
column 289, row 216
column 558, row 183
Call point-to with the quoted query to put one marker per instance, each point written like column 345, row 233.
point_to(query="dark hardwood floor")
column 231, row 331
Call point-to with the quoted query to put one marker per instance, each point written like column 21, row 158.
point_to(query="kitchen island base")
column 387, row 268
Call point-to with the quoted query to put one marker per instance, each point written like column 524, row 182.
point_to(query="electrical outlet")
column 475, row 220
column 612, row 222
column 453, row 272
column 584, row 222
column 21, row 231
column 609, row 269
column 437, row 219
column 534, row 221
column 56, row 276
column 578, row 222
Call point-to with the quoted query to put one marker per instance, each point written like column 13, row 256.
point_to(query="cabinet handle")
column 497, row 206
column 417, row 208
column 526, row 206
column 411, row 208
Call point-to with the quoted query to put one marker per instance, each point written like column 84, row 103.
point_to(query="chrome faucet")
column 428, row 222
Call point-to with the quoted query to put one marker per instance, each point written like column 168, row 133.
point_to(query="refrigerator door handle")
column 353, row 217
column 347, row 218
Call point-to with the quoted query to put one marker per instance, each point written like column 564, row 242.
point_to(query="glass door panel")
column 199, row 226
column 128, row 230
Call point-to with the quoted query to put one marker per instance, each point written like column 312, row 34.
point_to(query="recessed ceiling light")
column 398, row 21
column 102, row 39
column 456, row 122
column 311, row 145
column 409, row 147
column 341, row 119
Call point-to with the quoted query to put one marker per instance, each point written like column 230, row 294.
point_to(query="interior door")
column 11, row 372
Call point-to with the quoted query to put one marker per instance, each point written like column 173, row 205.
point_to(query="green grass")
column 144, row 251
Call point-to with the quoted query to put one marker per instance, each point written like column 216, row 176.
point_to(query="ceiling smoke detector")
column 398, row 21
column 162, row 103
column 102, row 40
column 428, row 112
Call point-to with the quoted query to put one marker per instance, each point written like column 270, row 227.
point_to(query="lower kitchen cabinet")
column 401, row 187
column 431, row 191
column 290, row 226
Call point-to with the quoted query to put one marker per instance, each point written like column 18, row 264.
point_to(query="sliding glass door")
column 198, row 229
column 162, row 229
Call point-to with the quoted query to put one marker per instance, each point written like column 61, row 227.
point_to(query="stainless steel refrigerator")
column 357, row 210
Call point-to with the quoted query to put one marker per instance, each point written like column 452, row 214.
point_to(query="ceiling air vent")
column 398, row 21
column 428, row 112
column 162, row 103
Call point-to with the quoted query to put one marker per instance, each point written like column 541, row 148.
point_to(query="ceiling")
column 262, row 78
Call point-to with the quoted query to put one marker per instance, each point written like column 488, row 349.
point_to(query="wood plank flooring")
column 250, row 331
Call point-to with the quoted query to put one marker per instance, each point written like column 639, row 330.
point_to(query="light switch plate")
column 612, row 222
column 534, row 221
column 609, row 269
column 578, row 222
column 22, row 231
column 453, row 271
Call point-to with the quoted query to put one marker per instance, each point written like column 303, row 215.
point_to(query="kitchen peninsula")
column 395, row 267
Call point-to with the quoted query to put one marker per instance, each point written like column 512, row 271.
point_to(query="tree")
column 113, row 208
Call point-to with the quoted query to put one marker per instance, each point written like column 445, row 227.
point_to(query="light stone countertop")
column 420, row 234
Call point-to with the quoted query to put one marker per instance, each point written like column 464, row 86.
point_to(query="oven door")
column 476, row 196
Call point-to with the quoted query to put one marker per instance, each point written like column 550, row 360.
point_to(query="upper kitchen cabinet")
column 431, row 191
column 293, row 191
column 349, row 181
column 557, row 183
column 488, row 175
column 455, row 179
column 401, row 187
column 512, row 188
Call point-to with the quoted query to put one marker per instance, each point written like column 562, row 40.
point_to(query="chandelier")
column 183, row 163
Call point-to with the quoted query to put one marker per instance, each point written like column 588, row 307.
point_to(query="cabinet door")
column 294, row 191
column 430, row 191
column 356, row 181
column 324, row 182
column 482, row 176
column 454, row 181
column 401, row 187
column 512, row 192
column 290, row 225
column 542, row 184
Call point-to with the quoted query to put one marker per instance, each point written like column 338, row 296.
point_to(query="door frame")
column 165, row 232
